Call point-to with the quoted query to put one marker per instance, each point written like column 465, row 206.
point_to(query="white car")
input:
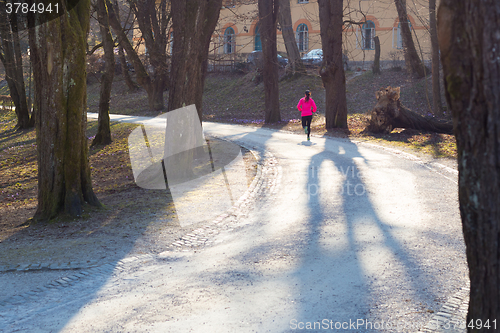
column 315, row 58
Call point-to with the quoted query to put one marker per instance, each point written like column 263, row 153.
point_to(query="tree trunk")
column 389, row 113
column 143, row 78
column 332, row 69
column 58, row 50
column 268, row 18
column 413, row 64
column 12, row 61
column 193, row 24
column 285, row 19
column 154, row 32
column 436, row 82
column 376, row 61
column 470, row 46
column 22, row 102
column 103, row 136
column 132, row 86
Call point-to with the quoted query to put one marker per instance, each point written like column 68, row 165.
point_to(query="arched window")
column 398, row 38
column 258, row 42
column 229, row 40
column 367, row 33
column 302, row 37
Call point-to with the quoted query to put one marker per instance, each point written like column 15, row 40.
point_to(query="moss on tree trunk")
column 58, row 51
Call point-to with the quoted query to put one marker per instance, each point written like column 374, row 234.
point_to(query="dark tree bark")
column 193, row 24
column 153, row 22
column 389, row 113
column 436, row 80
column 58, row 53
column 376, row 61
column 285, row 20
column 268, row 19
column 332, row 69
column 13, row 64
column 103, row 136
column 132, row 86
column 413, row 64
column 154, row 33
column 470, row 52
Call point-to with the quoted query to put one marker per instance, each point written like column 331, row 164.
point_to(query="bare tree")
column 332, row 69
column 11, row 58
column 285, row 20
column 132, row 86
column 413, row 64
column 268, row 19
column 194, row 22
column 468, row 33
column 103, row 136
column 154, row 18
column 153, row 22
column 436, row 81
column 58, row 54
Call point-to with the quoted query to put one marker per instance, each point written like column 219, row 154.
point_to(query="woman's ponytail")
column 308, row 93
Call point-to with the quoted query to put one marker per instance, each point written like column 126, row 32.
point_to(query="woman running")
column 307, row 106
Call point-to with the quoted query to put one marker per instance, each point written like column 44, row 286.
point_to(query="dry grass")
column 231, row 98
column 132, row 219
column 236, row 98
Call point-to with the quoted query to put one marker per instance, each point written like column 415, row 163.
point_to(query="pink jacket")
column 307, row 108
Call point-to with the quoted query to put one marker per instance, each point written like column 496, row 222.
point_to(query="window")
column 258, row 42
column 302, row 37
column 397, row 40
column 229, row 41
column 367, row 34
column 303, row 1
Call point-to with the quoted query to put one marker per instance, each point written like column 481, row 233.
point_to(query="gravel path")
column 332, row 235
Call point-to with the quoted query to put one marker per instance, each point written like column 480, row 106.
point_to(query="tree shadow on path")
column 350, row 249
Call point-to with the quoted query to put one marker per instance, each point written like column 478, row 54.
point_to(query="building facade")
column 237, row 33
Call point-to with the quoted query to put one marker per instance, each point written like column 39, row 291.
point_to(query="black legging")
column 306, row 121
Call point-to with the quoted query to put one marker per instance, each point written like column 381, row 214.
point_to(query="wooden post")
column 376, row 61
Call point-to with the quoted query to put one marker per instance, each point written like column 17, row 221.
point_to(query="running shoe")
column 308, row 139
column 305, row 129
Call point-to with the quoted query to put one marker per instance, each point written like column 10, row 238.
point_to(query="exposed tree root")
column 389, row 113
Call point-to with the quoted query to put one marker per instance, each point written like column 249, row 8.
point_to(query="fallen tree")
column 389, row 113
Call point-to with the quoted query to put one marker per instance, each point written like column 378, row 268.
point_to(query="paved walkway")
column 329, row 232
